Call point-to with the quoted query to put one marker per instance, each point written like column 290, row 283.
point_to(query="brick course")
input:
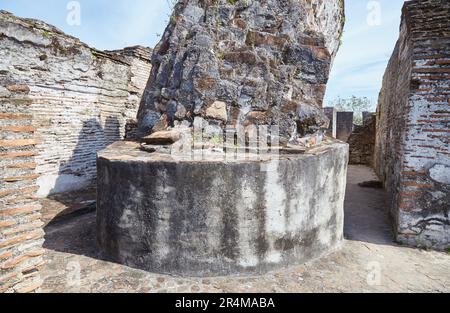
column 80, row 98
column 362, row 142
column 21, row 234
column 413, row 125
column 61, row 102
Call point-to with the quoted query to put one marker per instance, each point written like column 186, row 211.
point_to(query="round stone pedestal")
column 219, row 217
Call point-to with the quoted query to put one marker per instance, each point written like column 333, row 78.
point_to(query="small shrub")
column 173, row 20
column 220, row 55
column 216, row 140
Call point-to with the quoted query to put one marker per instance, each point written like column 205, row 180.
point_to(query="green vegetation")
column 46, row 34
column 354, row 104
column 341, row 34
column 220, row 55
column 173, row 20
column 216, row 140
column 233, row 2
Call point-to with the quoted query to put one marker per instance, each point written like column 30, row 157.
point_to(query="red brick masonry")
column 413, row 126
column 21, row 234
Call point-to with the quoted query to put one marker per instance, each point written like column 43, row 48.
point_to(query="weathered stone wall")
column 344, row 125
column 331, row 114
column 412, row 141
column 362, row 142
column 21, row 234
column 81, row 97
column 244, row 62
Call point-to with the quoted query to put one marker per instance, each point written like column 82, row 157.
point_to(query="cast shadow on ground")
column 366, row 209
column 79, row 171
column 69, row 216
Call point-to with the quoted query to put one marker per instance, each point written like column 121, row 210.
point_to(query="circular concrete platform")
column 217, row 217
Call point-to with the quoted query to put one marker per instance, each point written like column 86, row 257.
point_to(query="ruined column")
column 240, row 84
column 344, row 125
column 331, row 114
column 241, row 62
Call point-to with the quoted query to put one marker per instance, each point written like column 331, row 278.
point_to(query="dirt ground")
column 368, row 261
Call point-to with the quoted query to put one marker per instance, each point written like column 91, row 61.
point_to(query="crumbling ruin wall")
column 61, row 102
column 344, row 125
column 81, row 97
column 362, row 142
column 244, row 62
column 21, row 234
column 412, row 141
column 331, row 114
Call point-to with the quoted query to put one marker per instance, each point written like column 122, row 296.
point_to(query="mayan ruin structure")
column 216, row 161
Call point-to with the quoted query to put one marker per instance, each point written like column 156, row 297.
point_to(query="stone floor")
column 369, row 261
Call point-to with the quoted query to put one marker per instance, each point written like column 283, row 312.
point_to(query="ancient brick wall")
column 21, row 234
column 61, row 102
column 81, row 97
column 412, row 142
column 362, row 142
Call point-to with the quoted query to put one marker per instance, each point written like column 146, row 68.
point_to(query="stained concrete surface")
column 369, row 260
column 213, row 217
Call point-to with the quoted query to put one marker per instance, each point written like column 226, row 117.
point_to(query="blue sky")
column 113, row 24
column 366, row 48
